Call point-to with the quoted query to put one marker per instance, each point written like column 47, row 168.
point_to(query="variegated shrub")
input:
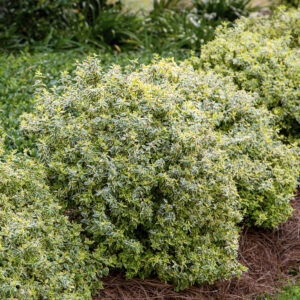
column 262, row 55
column 160, row 164
column 41, row 252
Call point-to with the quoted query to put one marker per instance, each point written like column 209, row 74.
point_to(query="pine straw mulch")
column 271, row 256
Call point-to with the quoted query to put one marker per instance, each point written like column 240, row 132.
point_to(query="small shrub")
column 17, row 77
column 262, row 55
column 42, row 255
column 160, row 164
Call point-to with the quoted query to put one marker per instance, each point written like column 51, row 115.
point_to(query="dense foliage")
column 41, row 252
column 26, row 21
column 58, row 23
column 64, row 23
column 171, row 25
column 17, row 78
column 160, row 165
column 149, row 170
column 263, row 56
column 291, row 3
column 110, row 24
column 222, row 10
column 17, row 83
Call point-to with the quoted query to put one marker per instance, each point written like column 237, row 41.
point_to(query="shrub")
column 262, row 55
column 152, row 163
column 17, row 77
column 41, row 253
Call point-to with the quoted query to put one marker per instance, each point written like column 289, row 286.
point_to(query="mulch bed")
column 271, row 256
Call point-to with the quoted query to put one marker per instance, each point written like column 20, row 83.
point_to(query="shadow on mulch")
column 271, row 256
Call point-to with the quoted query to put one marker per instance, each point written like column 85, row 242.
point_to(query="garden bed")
column 271, row 256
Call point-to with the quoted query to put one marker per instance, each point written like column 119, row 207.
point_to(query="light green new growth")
column 160, row 164
column 41, row 253
column 262, row 55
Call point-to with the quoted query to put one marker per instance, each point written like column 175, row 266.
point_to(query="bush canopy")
column 42, row 254
column 262, row 55
column 160, row 164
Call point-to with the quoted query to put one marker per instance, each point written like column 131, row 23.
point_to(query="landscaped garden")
column 149, row 150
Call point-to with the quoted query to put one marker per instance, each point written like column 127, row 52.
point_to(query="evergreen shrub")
column 262, row 55
column 17, row 89
column 17, row 78
column 42, row 255
column 160, row 164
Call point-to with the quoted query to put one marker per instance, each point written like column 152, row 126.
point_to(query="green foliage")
column 41, row 252
column 17, row 78
column 290, row 292
column 171, row 25
column 224, row 10
column 262, row 55
column 26, row 21
column 65, row 24
column 109, row 26
column 160, row 164
column 96, row 23
column 291, row 3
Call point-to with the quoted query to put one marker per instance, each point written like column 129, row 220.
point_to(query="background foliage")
column 17, row 79
column 262, row 55
column 171, row 25
column 291, row 3
column 109, row 24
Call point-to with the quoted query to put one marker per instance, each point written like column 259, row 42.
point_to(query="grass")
column 17, row 78
column 291, row 292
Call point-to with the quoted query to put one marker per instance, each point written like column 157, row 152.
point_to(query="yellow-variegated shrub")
column 262, row 54
column 41, row 252
column 160, row 164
